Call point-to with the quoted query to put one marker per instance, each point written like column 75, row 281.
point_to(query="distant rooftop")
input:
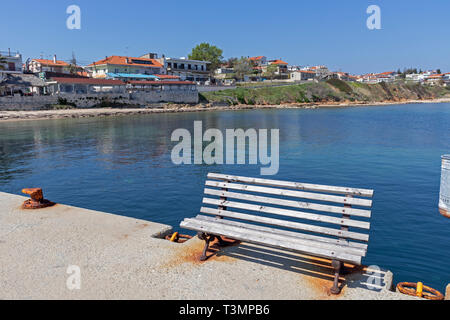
column 128, row 61
column 9, row 53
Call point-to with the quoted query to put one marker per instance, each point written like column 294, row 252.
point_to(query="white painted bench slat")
column 306, row 242
column 288, row 224
column 290, row 203
column 360, row 248
column 289, row 213
column 262, row 238
column 293, row 185
column 291, row 193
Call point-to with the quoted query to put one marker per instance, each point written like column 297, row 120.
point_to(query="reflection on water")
column 122, row 165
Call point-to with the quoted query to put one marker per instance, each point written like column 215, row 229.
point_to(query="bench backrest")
column 323, row 213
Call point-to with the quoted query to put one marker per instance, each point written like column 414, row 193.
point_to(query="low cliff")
column 326, row 92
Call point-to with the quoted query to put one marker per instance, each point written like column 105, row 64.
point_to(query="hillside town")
column 151, row 71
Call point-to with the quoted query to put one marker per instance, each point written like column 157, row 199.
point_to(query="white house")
column 320, row 71
column 12, row 63
column 386, row 76
column 302, row 75
column 419, row 77
column 446, row 78
column 414, row 77
column 49, row 65
column 186, row 69
column 122, row 67
column 435, row 79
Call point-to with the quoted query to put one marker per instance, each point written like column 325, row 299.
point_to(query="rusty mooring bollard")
column 37, row 200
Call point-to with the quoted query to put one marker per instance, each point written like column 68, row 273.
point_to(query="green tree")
column 271, row 71
column 231, row 62
column 242, row 67
column 206, row 52
column 438, row 71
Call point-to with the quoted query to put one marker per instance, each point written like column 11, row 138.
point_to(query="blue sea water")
column 122, row 165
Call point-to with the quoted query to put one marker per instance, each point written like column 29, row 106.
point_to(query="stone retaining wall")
column 138, row 99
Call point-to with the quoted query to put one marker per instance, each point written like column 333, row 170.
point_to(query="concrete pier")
column 124, row 258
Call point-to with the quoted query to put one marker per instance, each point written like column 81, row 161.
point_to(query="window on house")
column 189, row 67
column 175, row 65
column 182, row 66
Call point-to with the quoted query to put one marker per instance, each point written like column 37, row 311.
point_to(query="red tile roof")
column 278, row 62
column 435, row 76
column 128, row 61
column 92, row 81
column 51, row 63
column 256, row 58
column 385, row 73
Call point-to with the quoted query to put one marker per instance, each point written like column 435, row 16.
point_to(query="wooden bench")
column 325, row 220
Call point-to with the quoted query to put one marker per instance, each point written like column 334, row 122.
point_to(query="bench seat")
column 275, row 238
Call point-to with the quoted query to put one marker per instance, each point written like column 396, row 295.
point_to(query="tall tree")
column 206, row 52
column 231, row 62
column 271, row 71
column 242, row 67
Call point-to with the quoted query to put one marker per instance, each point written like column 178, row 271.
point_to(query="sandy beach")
column 171, row 108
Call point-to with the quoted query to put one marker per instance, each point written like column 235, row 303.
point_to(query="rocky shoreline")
column 172, row 108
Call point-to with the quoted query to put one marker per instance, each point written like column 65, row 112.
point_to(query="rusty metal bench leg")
column 207, row 238
column 337, row 265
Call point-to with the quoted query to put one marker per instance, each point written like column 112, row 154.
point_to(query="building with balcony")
column 281, row 71
column 190, row 70
column 126, row 67
column 10, row 63
column 258, row 61
column 435, row 79
column 49, row 65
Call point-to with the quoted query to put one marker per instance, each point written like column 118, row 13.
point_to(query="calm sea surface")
column 122, row 165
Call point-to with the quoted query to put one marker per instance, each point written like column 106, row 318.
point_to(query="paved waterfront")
column 123, row 258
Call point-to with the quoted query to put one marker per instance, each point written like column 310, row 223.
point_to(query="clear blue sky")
column 414, row 33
